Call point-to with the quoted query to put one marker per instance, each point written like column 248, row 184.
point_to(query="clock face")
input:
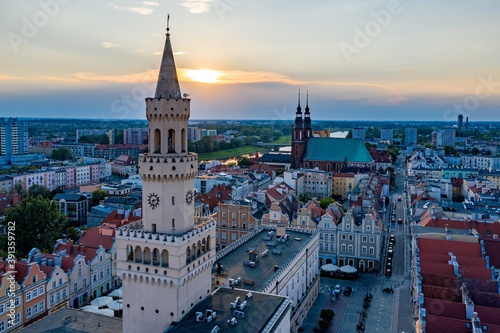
column 153, row 200
column 189, row 197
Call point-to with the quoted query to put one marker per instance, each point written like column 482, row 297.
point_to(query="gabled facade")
column 359, row 240
column 11, row 300
column 34, row 285
column 57, row 287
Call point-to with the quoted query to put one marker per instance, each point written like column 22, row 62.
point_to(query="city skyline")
column 404, row 60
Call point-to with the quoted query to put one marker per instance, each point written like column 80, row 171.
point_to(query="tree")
column 38, row 224
column 97, row 196
column 61, row 154
column 302, row 197
column 244, row 162
column 450, row 151
column 36, row 190
column 474, row 151
column 72, row 233
column 20, row 188
column 323, row 203
column 458, row 198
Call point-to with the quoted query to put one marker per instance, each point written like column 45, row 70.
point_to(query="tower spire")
column 299, row 109
column 307, row 101
column 307, row 114
column 168, row 83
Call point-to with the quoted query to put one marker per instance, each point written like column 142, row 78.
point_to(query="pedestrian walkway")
column 388, row 312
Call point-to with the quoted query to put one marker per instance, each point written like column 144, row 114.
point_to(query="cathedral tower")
column 165, row 259
column 300, row 133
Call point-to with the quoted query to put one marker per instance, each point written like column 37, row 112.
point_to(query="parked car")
column 347, row 291
column 337, row 289
column 400, row 221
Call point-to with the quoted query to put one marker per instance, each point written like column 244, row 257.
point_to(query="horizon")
column 370, row 60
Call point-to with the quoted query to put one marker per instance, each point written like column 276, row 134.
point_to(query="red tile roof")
column 436, row 324
column 93, row 238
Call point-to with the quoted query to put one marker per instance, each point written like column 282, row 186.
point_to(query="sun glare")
column 203, row 75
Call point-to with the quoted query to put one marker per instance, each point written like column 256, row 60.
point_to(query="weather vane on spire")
column 168, row 22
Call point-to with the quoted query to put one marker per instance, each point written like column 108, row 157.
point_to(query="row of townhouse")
column 45, row 282
column 64, row 177
column 353, row 238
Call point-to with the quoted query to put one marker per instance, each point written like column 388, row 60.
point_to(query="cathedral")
column 328, row 154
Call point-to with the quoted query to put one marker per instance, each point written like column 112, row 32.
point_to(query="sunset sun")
column 203, row 75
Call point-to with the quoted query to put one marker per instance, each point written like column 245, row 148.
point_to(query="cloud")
column 138, row 10
column 108, row 45
column 197, row 6
column 179, row 53
column 150, row 3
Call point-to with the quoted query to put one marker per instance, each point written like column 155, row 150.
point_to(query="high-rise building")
column 95, row 132
column 165, row 260
column 443, row 137
column 359, row 133
column 410, row 136
column 194, row 134
column 13, row 138
column 387, row 134
column 460, row 121
column 135, row 136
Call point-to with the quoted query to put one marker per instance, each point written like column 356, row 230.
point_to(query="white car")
column 337, row 289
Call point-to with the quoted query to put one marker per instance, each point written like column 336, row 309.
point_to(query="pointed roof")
column 168, row 83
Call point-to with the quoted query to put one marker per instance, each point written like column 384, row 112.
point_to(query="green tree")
column 474, row 151
column 323, row 203
column 458, row 198
column 20, row 188
column 72, row 233
column 244, row 162
column 38, row 224
column 302, row 197
column 61, row 154
column 450, row 151
column 36, row 190
column 97, row 196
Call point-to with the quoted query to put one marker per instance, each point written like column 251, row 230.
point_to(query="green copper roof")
column 335, row 149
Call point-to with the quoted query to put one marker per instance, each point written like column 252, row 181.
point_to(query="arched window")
column 138, row 254
column 164, row 258
column 157, row 141
column 183, row 140
column 171, row 141
column 147, row 255
column 130, row 253
column 156, row 257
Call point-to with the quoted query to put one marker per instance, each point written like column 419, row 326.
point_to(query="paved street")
column 388, row 312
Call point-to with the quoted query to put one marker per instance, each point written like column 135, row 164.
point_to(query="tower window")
column 153, row 227
column 173, row 200
column 173, row 223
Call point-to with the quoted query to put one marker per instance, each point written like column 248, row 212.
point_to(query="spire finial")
column 299, row 97
column 168, row 23
column 307, row 98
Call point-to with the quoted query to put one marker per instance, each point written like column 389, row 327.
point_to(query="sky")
column 247, row 59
